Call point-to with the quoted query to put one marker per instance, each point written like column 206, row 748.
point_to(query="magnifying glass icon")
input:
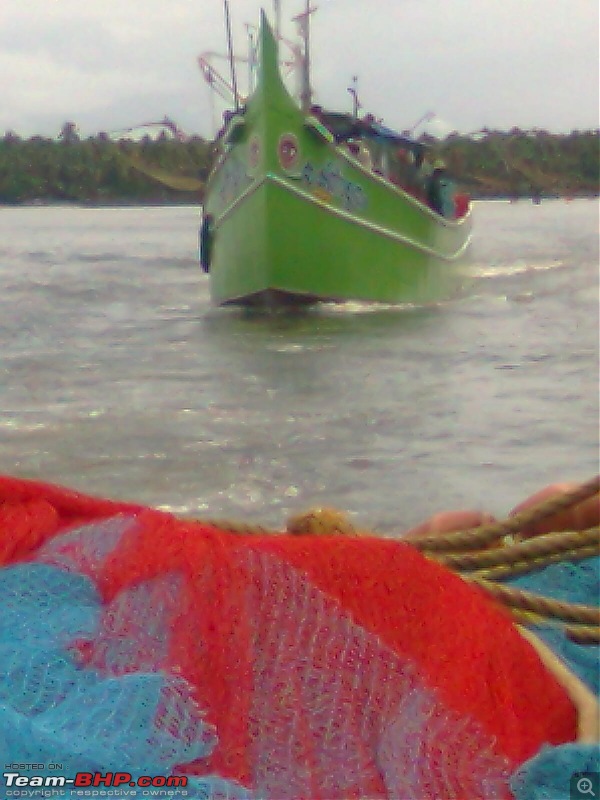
column 585, row 786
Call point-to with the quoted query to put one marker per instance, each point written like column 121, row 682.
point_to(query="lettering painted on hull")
column 328, row 183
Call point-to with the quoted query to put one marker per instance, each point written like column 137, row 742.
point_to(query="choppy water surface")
column 117, row 376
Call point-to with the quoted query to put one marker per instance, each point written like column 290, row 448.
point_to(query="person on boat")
column 440, row 190
column 407, row 174
column 421, row 175
column 424, row 167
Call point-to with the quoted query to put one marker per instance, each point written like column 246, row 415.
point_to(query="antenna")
column 354, row 92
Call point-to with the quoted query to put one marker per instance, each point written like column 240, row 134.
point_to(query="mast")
column 236, row 97
column 277, row 11
column 252, row 60
column 303, row 21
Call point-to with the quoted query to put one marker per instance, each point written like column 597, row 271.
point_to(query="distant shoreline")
column 104, row 204
column 99, row 172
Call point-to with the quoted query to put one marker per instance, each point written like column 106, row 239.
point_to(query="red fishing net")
column 328, row 666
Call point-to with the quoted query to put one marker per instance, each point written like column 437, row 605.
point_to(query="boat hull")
column 279, row 245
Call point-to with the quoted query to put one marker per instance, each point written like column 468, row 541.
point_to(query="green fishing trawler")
column 303, row 206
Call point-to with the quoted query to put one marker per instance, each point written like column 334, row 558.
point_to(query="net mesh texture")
column 270, row 667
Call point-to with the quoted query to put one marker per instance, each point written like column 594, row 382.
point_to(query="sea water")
column 118, row 377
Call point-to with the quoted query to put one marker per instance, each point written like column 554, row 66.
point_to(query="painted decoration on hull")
column 232, row 180
column 288, row 151
column 329, row 184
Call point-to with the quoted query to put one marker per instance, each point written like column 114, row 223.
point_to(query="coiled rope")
column 486, row 568
column 477, row 538
column 541, row 606
column 526, row 556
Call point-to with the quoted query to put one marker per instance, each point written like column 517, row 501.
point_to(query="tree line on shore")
column 526, row 163
column 99, row 170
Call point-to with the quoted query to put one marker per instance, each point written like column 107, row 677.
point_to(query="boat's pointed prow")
column 269, row 53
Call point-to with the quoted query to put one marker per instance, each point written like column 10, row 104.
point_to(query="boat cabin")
column 403, row 161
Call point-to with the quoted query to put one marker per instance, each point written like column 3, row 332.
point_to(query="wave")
column 357, row 307
column 509, row 269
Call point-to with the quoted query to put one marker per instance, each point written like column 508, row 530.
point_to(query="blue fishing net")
column 554, row 772
column 53, row 711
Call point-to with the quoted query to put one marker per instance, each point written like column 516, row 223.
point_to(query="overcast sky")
column 111, row 64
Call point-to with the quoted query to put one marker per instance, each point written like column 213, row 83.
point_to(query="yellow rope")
column 504, row 571
column 235, row 526
column 477, row 538
column 543, row 606
column 528, row 618
column 588, row 634
column 559, row 544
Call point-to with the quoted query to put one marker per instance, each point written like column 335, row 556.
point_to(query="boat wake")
column 512, row 268
column 356, row 307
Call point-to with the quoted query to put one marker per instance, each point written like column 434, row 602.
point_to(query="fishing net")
column 258, row 666
column 553, row 773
